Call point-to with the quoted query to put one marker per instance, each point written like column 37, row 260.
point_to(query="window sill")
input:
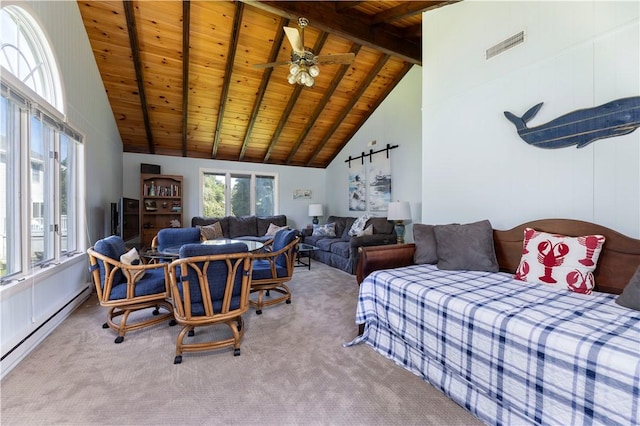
column 16, row 285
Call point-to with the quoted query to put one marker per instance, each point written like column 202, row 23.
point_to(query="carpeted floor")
column 293, row 370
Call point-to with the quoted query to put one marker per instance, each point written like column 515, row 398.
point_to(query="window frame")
column 230, row 174
column 23, row 105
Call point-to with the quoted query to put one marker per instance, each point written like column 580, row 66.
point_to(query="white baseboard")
column 16, row 354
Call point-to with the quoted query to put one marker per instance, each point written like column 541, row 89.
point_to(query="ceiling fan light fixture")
column 314, row 71
column 294, row 69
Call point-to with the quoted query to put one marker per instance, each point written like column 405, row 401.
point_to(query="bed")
column 508, row 351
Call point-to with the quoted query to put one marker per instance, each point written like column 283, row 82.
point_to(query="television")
column 125, row 219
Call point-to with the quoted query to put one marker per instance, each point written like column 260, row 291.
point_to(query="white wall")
column 289, row 179
column 26, row 306
column 397, row 121
column 576, row 55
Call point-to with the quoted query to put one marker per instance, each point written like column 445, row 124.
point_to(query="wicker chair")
column 125, row 288
column 175, row 237
column 273, row 269
column 210, row 286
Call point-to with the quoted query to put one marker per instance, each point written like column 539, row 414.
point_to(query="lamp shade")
column 315, row 209
column 399, row 210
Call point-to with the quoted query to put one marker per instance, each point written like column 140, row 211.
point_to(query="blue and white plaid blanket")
column 510, row 352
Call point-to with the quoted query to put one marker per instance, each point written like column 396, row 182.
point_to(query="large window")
column 39, row 154
column 237, row 193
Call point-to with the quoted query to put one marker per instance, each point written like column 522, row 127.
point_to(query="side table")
column 304, row 252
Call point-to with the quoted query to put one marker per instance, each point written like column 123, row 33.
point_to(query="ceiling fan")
column 303, row 66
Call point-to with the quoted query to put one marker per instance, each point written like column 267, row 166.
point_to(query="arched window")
column 39, row 153
column 26, row 54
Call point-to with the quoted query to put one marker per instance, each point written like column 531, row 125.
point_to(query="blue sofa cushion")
column 264, row 222
column 243, row 226
column 216, row 276
column 326, row 243
column 341, row 248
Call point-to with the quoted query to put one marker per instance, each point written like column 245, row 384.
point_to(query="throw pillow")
column 425, row 241
column 271, row 231
column 328, row 230
column 466, row 247
column 132, row 258
column 366, row 231
column 559, row 259
column 211, row 232
column 630, row 297
column 359, row 224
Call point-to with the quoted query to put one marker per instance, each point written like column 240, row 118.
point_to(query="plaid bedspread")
column 510, row 352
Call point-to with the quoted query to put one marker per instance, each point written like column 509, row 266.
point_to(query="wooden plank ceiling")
column 208, row 101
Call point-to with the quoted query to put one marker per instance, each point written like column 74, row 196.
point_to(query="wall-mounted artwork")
column 302, row 194
column 357, row 188
column 580, row 127
column 379, row 183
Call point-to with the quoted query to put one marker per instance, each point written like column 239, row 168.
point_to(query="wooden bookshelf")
column 161, row 203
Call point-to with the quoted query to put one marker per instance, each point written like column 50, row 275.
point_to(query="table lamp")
column 398, row 212
column 315, row 210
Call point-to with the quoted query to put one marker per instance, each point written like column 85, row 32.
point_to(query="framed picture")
column 150, row 205
column 302, row 194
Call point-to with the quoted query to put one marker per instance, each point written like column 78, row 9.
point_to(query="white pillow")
column 132, row 258
column 358, row 225
column 273, row 229
column 366, row 231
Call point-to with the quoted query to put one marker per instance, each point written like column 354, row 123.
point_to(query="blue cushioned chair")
column 176, row 237
column 273, row 269
column 210, row 285
column 125, row 288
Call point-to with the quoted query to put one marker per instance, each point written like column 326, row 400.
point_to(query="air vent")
column 505, row 45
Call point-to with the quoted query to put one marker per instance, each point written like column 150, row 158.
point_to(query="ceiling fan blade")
column 294, row 38
column 271, row 64
column 342, row 58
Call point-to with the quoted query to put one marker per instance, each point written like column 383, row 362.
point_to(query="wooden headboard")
column 619, row 258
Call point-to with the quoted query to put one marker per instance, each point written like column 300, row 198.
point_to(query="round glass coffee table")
column 174, row 252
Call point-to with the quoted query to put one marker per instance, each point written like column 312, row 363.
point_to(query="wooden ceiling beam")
column 341, row 6
column 374, row 106
column 231, row 55
column 404, row 11
column 186, row 21
column 317, row 47
column 355, row 48
column 414, row 31
column 266, row 76
column 355, row 28
column 135, row 55
column 355, row 98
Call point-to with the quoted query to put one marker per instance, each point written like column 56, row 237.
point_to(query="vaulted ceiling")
column 181, row 80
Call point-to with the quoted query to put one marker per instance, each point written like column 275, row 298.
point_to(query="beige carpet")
column 293, row 370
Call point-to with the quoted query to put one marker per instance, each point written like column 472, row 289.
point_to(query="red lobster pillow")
column 560, row 260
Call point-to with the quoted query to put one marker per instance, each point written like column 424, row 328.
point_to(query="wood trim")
column 266, row 76
column 355, row 48
column 137, row 64
column 356, row 96
column 186, row 24
column 231, row 54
